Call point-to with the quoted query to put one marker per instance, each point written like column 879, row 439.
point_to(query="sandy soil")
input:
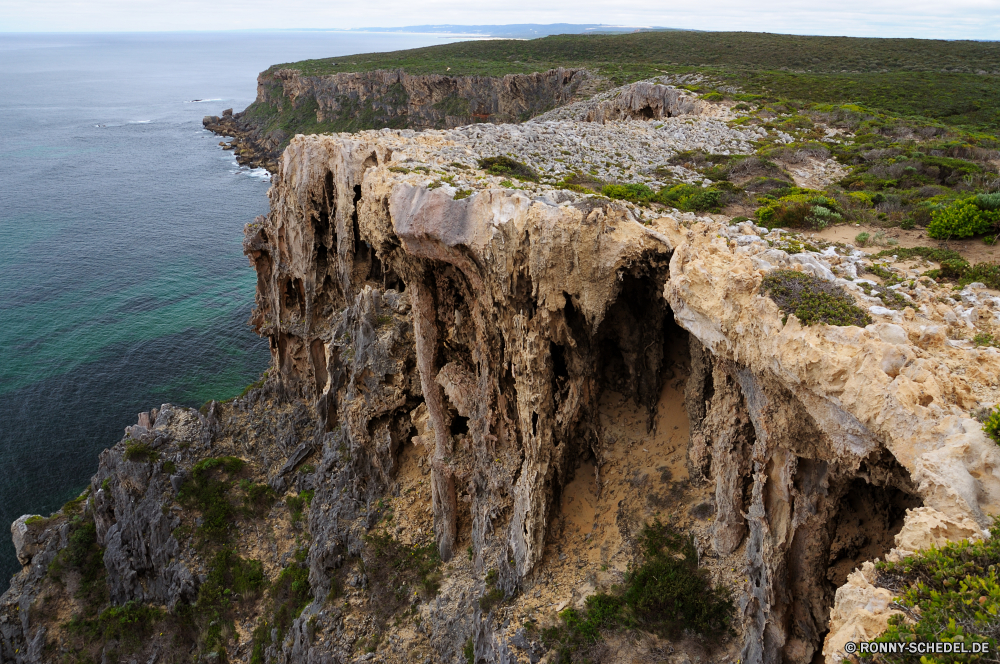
column 974, row 251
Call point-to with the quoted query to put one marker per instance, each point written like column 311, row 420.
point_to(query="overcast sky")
column 945, row 19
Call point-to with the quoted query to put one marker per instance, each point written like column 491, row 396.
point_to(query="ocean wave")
column 202, row 101
column 139, row 121
column 256, row 173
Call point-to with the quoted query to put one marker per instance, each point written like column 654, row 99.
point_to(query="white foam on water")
column 139, row 121
column 202, row 101
column 256, row 173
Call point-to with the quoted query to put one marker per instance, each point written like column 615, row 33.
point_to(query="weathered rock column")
column 443, row 499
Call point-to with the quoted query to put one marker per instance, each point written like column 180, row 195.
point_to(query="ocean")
column 122, row 279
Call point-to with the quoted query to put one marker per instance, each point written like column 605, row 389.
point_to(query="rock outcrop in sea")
column 481, row 390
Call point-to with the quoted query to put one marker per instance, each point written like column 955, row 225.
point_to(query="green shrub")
column 985, row 339
column 289, row 595
column 985, row 273
column 207, row 490
column 932, row 254
column 784, row 214
column 83, row 556
column 667, row 594
column 258, row 498
column 130, row 624
column 952, row 593
column 231, row 579
column 962, row 219
column 862, row 238
column 397, row 571
column 992, row 425
column 493, row 594
column 297, row 504
column 689, row 198
column 822, row 217
column 988, row 201
column 812, row 300
column 140, row 452
column 637, row 193
column 507, row 167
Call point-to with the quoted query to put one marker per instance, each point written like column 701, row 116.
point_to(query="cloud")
column 955, row 19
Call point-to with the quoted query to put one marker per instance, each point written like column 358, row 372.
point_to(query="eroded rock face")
column 558, row 368
column 516, row 314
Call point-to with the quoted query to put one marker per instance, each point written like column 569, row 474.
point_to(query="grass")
column 666, row 594
column 297, row 504
column 130, row 625
column 84, row 557
column 949, row 594
column 396, row 571
column 231, row 580
column 493, row 595
column 288, row 596
column 812, row 300
column 207, row 490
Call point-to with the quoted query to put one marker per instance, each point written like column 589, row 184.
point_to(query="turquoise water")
column 122, row 279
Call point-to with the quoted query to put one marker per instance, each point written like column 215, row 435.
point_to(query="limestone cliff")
column 481, row 390
column 289, row 102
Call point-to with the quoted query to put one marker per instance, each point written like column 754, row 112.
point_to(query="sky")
column 939, row 19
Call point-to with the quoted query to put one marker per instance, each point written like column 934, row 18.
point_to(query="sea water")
column 122, row 279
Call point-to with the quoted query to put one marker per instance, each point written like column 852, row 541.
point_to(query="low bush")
column 289, row 595
column 83, row 556
column 507, row 167
column 396, row 571
column 812, row 300
column 207, row 490
column 258, row 498
column 637, row 193
column 950, row 593
column 667, row 594
column 992, row 425
column 690, row 198
column 231, row 579
column 140, row 452
column 493, row 595
column 963, row 219
column 130, row 624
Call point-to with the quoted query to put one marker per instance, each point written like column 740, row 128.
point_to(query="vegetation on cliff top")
column 955, row 82
column 812, row 300
column 949, row 594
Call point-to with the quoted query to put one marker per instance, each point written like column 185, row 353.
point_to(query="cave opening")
column 293, row 297
column 459, row 425
column 865, row 526
column 647, row 113
column 849, row 518
column 632, row 341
